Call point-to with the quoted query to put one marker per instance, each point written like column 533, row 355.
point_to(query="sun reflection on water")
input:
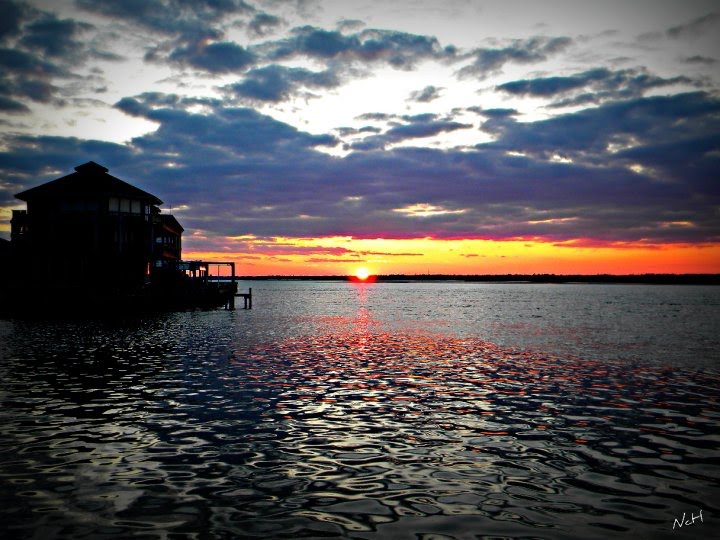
column 177, row 426
column 401, row 417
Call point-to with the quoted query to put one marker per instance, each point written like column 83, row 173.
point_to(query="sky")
column 304, row 137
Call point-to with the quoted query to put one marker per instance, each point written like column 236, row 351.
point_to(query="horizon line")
column 649, row 277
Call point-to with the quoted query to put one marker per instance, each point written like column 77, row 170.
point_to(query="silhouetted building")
column 90, row 230
column 90, row 243
column 5, row 259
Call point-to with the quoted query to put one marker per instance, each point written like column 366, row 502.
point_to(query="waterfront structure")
column 90, row 229
column 92, row 235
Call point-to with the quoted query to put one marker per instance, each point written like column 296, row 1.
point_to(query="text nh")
column 691, row 521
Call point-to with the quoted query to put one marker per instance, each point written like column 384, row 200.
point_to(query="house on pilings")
column 90, row 235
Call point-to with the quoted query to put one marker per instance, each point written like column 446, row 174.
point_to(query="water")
column 334, row 410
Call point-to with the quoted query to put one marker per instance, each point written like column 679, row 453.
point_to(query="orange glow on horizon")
column 363, row 275
column 346, row 256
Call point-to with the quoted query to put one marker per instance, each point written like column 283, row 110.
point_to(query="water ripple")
column 173, row 427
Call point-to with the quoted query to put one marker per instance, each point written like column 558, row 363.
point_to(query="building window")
column 125, row 206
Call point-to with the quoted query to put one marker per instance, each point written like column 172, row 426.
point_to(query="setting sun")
column 362, row 273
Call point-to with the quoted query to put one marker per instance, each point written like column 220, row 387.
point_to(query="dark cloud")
column 688, row 30
column 216, row 57
column 199, row 45
column 423, row 129
column 399, row 49
column 9, row 105
column 346, row 131
column 606, row 84
column 263, row 23
column 25, row 77
column 26, row 64
column 54, row 37
column 418, row 126
column 536, row 49
column 275, row 83
column 497, row 112
column 415, row 118
column 698, row 59
column 426, row 95
column 381, row 117
column 314, row 42
column 695, row 27
column 549, row 86
column 630, row 169
column 11, row 15
column 642, row 170
column 46, row 49
column 188, row 32
column 144, row 104
column 239, row 130
column 271, row 247
column 350, row 24
column 588, row 133
column 171, row 17
column 25, row 160
column 39, row 91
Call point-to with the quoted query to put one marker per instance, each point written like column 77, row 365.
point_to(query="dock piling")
column 247, row 298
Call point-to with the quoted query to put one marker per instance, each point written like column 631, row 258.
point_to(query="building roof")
column 88, row 179
column 169, row 221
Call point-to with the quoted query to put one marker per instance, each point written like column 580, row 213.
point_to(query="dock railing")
column 200, row 271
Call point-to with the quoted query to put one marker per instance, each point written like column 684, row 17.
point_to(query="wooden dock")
column 247, row 299
column 199, row 271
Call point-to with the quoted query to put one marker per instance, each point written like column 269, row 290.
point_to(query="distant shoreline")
column 646, row 279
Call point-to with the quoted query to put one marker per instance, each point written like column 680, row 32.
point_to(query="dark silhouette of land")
column 658, row 279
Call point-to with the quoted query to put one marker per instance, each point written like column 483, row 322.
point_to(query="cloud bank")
column 619, row 155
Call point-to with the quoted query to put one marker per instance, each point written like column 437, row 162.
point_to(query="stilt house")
column 90, row 230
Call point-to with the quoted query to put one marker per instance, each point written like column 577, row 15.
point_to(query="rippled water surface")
column 418, row 411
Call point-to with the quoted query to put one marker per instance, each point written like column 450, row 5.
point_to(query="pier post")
column 233, row 287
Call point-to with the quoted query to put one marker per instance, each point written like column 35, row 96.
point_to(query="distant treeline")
column 660, row 279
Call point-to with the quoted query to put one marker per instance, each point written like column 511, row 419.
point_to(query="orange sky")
column 344, row 256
